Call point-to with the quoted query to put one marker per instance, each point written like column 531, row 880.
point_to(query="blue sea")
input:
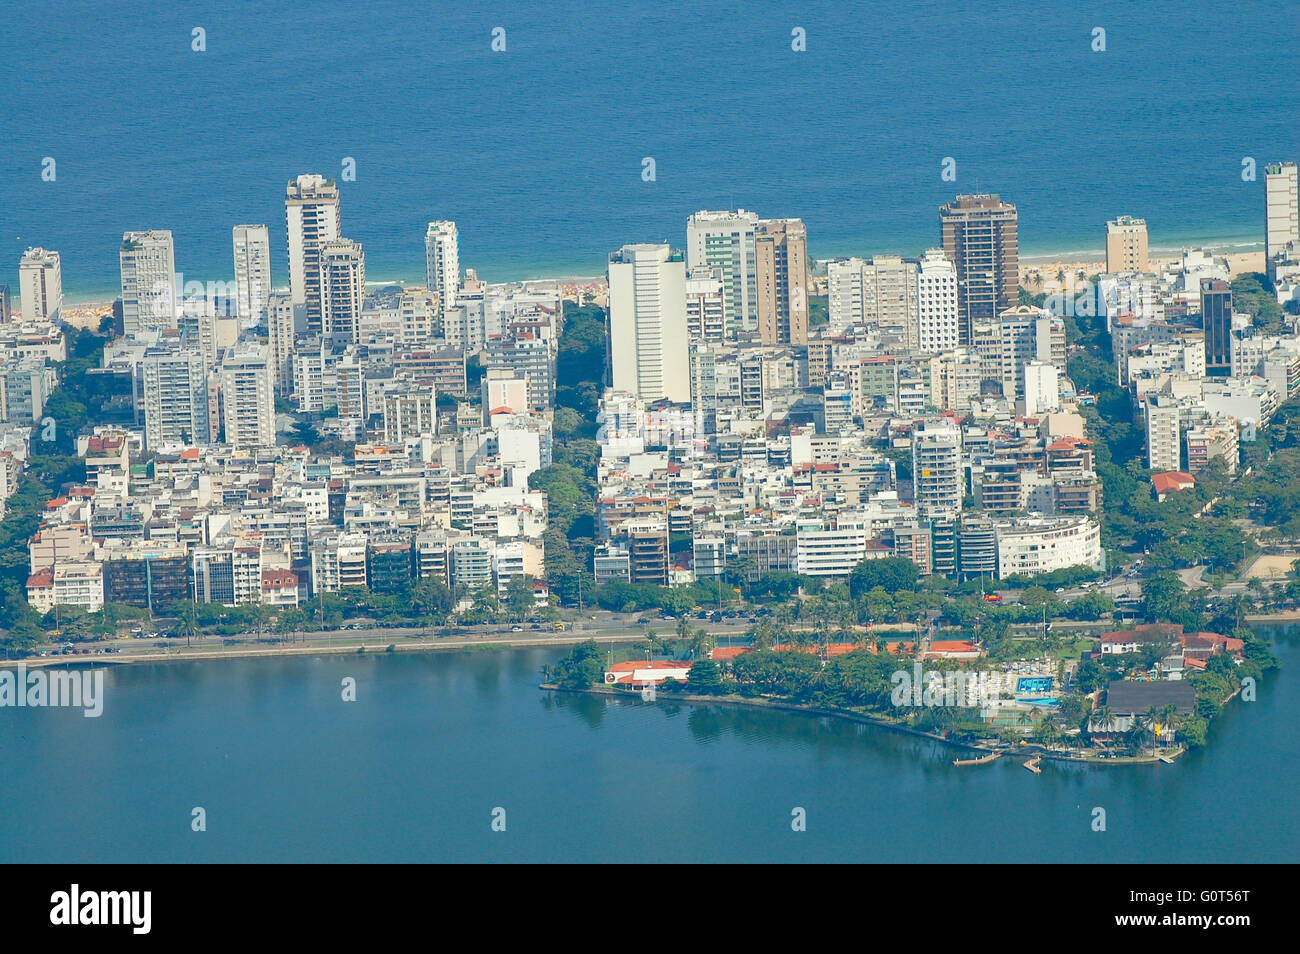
column 538, row 151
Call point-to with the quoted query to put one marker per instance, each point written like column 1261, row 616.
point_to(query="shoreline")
column 1034, row 750
column 1222, row 246
column 1278, row 616
column 355, row 647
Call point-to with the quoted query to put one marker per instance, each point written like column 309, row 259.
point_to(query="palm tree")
column 187, row 623
column 701, row 643
column 1101, row 718
column 1168, row 716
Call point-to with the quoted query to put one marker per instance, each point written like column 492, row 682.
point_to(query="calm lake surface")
column 412, row 771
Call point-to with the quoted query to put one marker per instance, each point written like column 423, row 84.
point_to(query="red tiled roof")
column 1172, row 480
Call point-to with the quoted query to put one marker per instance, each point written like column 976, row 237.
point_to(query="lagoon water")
column 537, row 152
column 411, row 771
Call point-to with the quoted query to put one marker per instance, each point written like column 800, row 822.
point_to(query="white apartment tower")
column 706, row 305
column 40, row 285
column 248, row 396
column 844, row 292
column 442, row 261
column 148, row 261
column 311, row 208
column 936, row 303
column 647, row 323
column 343, row 289
column 1042, row 388
column 1164, row 447
column 1282, row 208
column 252, row 245
column 725, row 240
column 176, row 409
column 937, row 476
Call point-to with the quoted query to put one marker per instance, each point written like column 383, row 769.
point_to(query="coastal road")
column 606, row 627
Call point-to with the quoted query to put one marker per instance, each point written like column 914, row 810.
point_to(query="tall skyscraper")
column 149, row 293
column 5, row 303
column 1126, row 245
column 252, row 272
column 1282, row 208
column 248, row 396
column 781, row 260
column 343, row 289
column 647, row 323
column 1216, row 319
column 175, row 388
column 936, row 303
column 311, row 208
column 442, row 261
column 40, row 285
column 979, row 236
column 725, row 240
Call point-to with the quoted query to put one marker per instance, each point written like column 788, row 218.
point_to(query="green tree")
column 705, row 677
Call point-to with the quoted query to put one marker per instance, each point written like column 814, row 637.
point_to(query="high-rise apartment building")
column 647, row 323
column 781, row 260
column 343, row 289
column 1164, row 448
column 40, row 285
column 937, row 477
column 149, row 293
column 410, row 412
column 725, row 240
column 979, row 236
column 889, row 299
column 442, row 261
column 844, row 278
column 706, row 305
column 1281, row 208
column 1216, row 320
column 176, row 406
column 280, row 324
column 936, row 303
column 252, row 244
column 419, row 315
column 311, row 208
column 1126, row 245
column 248, row 396
column 704, row 389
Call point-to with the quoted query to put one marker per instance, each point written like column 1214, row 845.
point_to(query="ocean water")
column 537, row 152
column 415, row 768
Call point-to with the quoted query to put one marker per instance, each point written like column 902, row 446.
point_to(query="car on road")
column 516, row 629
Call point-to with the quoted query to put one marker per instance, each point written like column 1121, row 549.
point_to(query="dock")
column 1032, row 765
column 982, row 760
